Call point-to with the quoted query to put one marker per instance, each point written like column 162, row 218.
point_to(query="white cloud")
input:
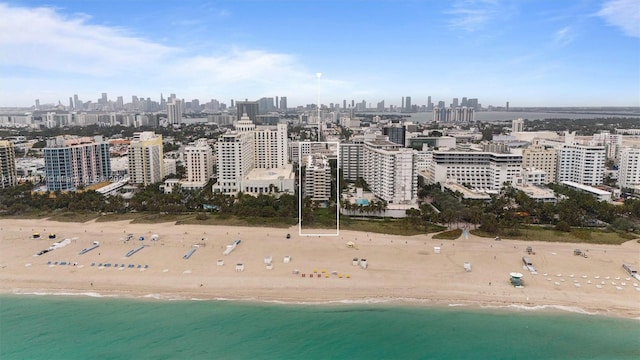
column 624, row 14
column 472, row 15
column 563, row 36
column 44, row 45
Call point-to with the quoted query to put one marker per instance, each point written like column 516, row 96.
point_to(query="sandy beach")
column 404, row 269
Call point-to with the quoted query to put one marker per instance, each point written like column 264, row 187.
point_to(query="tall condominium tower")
column 71, row 162
column 582, row 164
column 174, row 112
column 629, row 175
column 389, row 170
column 146, row 159
column 317, row 178
column 7, row 164
column 517, row 125
column 198, row 159
column 271, row 144
column 538, row 157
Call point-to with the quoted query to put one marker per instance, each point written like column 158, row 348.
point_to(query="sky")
column 527, row 52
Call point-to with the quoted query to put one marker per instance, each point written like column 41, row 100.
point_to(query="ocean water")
column 69, row 327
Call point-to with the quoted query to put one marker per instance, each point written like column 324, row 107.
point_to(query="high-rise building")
column 317, row 178
column 146, row 165
column 541, row 158
column 517, row 125
column 251, row 108
column 629, row 175
column 351, row 161
column 271, row 145
column 283, row 103
column 234, row 159
column 389, row 170
column 429, row 103
column 265, row 105
column 476, row 169
column 198, row 159
column 8, row 174
column 174, row 112
column 396, row 133
column 581, row 164
column 72, row 162
column 407, row 103
column 455, row 103
column 611, row 142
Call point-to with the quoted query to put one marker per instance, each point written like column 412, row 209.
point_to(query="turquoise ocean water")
column 69, row 327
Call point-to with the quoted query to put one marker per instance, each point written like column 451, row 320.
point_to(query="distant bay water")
column 66, row 327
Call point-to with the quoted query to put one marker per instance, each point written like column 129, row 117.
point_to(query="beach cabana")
column 467, row 266
column 268, row 260
column 239, row 267
column 354, row 262
column 287, row 259
column 220, row 262
column 363, row 264
column 436, row 249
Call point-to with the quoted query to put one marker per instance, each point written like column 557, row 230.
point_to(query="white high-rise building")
column 389, row 170
column 581, row 164
column 235, row 159
column 317, row 178
column 629, row 175
column 198, row 159
column 146, row 165
column 611, row 142
column 271, row 147
column 517, row 125
column 476, row 169
column 174, row 112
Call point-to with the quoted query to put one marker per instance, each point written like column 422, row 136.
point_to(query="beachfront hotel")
column 198, row 161
column 72, row 162
column 253, row 160
column 582, row 164
column 629, row 176
column 146, row 164
column 389, row 170
column 8, row 174
column 475, row 169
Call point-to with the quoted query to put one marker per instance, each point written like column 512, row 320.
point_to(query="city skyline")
column 538, row 53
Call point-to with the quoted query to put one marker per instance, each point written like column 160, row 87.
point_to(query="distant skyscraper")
column 517, row 125
column 455, row 103
column 174, row 112
column 429, row 103
column 507, row 106
column 403, row 108
column 344, row 104
column 283, row 103
column 37, row 104
column 76, row 102
column 232, row 103
column 8, row 174
column 146, row 159
column 265, row 105
column 73, row 162
column 408, row 107
column 251, row 108
column 103, row 100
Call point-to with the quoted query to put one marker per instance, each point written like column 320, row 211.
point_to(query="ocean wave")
column 64, row 293
column 572, row 309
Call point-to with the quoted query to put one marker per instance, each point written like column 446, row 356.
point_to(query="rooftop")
column 283, row 173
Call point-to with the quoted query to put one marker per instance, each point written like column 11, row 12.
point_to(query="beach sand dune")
column 398, row 268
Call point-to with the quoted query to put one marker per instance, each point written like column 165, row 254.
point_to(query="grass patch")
column 119, row 217
column 156, row 218
column 231, row 220
column 448, row 235
column 69, row 216
column 28, row 215
column 588, row 236
column 386, row 226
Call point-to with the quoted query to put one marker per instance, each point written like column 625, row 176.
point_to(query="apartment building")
column 72, row 162
column 146, row 165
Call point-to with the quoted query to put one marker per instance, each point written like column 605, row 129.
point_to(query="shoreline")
column 402, row 270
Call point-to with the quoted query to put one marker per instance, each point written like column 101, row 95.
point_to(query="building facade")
column 475, row 169
column 8, row 175
column 146, row 164
column 582, row 164
column 271, row 146
column 72, row 162
column 389, row 170
column 198, row 160
column 541, row 158
column 317, row 178
column 629, row 175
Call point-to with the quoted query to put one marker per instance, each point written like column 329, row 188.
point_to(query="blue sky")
column 530, row 53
